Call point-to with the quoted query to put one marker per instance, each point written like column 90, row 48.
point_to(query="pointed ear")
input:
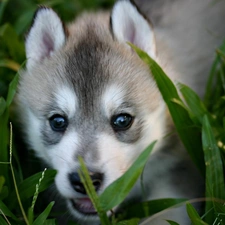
column 129, row 25
column 46, row 36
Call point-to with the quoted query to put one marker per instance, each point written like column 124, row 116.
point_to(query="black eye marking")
column 58, row 123
column 122, row 122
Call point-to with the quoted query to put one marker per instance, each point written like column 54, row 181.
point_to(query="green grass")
column 200, row 125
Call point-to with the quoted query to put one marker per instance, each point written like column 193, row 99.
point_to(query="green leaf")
column 134, row 221
column 89, row 187
column 12, row 90
column 149, row 208
column 210, row 89
column 2, row 182
column 187, row 130
column 172, row 222
column 3, row 189
column 214, row 169
column 9, row 64
column 50, row 222
column 2, row 105
column 115, row 193
column 194, row 102
column 2, row 220
column 193, row 215
column 44, row 215
column 5, row 210
column 2, row 8
column 10, row 40
column 28, row 186
column 23, row 22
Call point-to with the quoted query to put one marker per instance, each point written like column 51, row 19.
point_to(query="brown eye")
column 121, row 122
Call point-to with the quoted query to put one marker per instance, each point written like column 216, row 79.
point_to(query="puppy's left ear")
column 129, row 25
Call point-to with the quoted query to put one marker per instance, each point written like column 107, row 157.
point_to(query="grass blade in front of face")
column 187, row 130
column 89, row 187
column 116, row 192
column 215, row 188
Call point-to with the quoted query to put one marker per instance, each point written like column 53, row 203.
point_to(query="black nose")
column 75, row 181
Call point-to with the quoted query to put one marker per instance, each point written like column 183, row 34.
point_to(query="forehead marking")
column 113, row 97
column 66, row 100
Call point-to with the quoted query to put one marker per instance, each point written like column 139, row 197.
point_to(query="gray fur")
column 90, row 62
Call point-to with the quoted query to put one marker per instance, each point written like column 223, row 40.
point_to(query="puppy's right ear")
column 46, row 36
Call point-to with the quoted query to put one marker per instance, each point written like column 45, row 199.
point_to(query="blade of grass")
column 6, row 211
column 28, row 186
column 187, row 130
column 2, row 105
column 2, row 8
column 193, row 215
column 133, row 221
column 12, row 90
column 172, row 222
column 115, row 193
column 214, row 169
column 3, row 220
column 44, row 215
column 210, row 84
column 194, row 102
column 9, row 64
column 87, row 182
column 146, row 209
column 14, row 179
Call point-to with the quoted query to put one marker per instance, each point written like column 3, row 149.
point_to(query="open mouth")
column 84, row 206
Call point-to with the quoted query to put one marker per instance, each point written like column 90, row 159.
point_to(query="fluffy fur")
column 88, row 74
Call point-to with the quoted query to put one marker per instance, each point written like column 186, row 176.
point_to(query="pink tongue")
column 85, row 205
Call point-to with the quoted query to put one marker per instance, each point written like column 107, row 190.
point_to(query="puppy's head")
column 86, row 93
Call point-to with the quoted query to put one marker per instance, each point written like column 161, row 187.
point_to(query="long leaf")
column 134, row 221
column 89, row 187
column 44, row 215
column 194, row 102
column 9, row 64
column 2, row 105
column 188, row 132
column 2, row 8
column 28, row 186
column 146, row 209
column 3, row 221
column 12, row 90
column 172, row 222
column 193, row 215
column 118, row 190
column 6, row 211
column 214, row 169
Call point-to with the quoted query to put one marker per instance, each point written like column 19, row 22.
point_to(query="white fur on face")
column 46, row 36
column 66, row 100
column 64, row 161
column 112, row 99
column 129, row 25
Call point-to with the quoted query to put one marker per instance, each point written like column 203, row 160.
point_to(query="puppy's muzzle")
column 97, row 180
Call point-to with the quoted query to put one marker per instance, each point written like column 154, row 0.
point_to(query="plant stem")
column 14, row 180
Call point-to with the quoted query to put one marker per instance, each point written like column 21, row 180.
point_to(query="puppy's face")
column 89, row 95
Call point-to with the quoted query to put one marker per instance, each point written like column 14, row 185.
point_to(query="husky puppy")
column 86, row 93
